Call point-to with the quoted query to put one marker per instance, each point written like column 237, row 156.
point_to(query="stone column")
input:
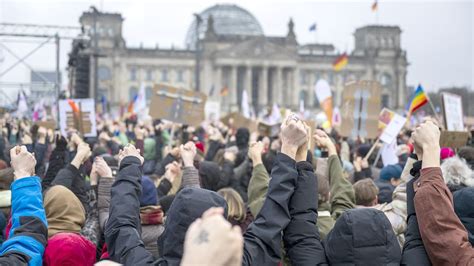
column 218, row 82
column 295, row 74
column 263, row 93
column 233, row 85
column 248, row 83
column 309, row 91
column 278, row 86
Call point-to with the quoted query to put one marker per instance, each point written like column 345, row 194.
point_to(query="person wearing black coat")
column 262, row 241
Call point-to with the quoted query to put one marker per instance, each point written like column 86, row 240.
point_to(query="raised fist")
column 294, row 132
column 22, row 162
column 188, row 151
column 130, row 150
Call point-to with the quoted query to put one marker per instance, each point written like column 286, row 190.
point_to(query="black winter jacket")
column 262, row 241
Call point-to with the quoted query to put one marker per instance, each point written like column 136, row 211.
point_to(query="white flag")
column 140, row 102
column 22, row 109
column 245, row 104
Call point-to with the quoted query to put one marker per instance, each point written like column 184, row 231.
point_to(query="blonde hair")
column 365, row 191
column 235, row 205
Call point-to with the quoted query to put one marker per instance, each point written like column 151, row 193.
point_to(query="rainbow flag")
column 340, row 62
column 130, row 108
column 419, row 99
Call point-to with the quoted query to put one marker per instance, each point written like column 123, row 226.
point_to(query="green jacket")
column 342, row 197
column 342, row 194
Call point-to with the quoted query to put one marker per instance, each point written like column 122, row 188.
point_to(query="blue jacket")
column 29, row 231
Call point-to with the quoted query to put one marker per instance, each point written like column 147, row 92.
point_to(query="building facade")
column 233, row 54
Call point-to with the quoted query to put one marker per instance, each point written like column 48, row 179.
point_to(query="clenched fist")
column 255, row 152
column 188, row 151
column 22, row 162
column 212, row 240
column 294, row 132
column 130, row 150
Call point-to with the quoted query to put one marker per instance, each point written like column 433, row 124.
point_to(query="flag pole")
column 434, row 110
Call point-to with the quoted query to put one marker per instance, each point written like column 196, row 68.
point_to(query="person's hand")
column 26, row 139
column 212, row 240
column 188, row 151
column 100, row 168
column 175, row 152
column 51, row 135
column 83, row 153
column 139, row 133
column 22, row 162
column 42, row 135
column 294, row 134
column 75, row 139
column 426, row 136
column 357, row 164
column 215, row 134
column 364, row 163
column 323, row 141
column 172, row 171
column 255, row 152
column 104, row 136
column 130, row 150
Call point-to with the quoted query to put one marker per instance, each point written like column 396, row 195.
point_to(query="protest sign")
column 47, row 124
column 385, row 116
column 177, row 105
column 453, row 112
column 453, row 139
column 393, row 128
column 388, row 153
column 212, row 110
column 360, row 109
column 78, row 114
column 268, row 130
column 235, row 120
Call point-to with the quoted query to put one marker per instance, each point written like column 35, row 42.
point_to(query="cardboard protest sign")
column 453, row 139
column 360, row 109
column 453, row 112
column 83, row 119
column 177, row 105
column 393, row 128
column 268, row 130
column 236, row 120
column 47, row 124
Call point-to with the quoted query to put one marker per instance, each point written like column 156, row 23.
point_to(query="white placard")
column 87, row 108
column 453, row 115
column 389, row 153
column 393, row 128
column 212, row 109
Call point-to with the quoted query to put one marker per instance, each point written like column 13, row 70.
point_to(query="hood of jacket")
column 188, row 205
column 364, row 237
column 463, row 200
column 64, row 211
column 209, row 175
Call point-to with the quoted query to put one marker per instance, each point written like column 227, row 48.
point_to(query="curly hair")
column 456, row 172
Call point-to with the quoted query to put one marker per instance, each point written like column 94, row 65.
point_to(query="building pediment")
column 257, row 48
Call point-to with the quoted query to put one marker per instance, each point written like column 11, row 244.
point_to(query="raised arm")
column 444, row 236
column 258, row 185
column 29, row 231
column 123, row 231
column 342, row 193
column 190, row 173
column 301, row 237
column 262, row 240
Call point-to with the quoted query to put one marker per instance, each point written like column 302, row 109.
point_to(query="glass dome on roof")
column 228, row 20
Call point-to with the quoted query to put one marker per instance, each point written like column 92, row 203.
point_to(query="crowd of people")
column 159, row 193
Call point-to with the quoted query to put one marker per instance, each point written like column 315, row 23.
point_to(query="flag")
column 340, row 62
column 103, row 102
column 74, row 107
column 275, row 115
column 211, row 91
column 245, row 107
column 22, row 104
column 323, row 93
column 375, row 6
column 301, row 108
column 131, row 104
column 419, row 99
column 224, row 91
column 39, row 111
column 140, row 100
column 312, row 27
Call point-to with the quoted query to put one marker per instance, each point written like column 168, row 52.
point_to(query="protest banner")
column 47, row 124
column 453, row 112
column 393, row 128
column 78, row 114
column 177, row 105
column 360, row 109
column 235, row 120
column 453, row 139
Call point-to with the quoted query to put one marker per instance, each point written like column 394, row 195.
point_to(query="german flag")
column 224, row 91
column 340, row 62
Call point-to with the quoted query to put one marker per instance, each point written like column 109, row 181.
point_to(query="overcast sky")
column 437, row 35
